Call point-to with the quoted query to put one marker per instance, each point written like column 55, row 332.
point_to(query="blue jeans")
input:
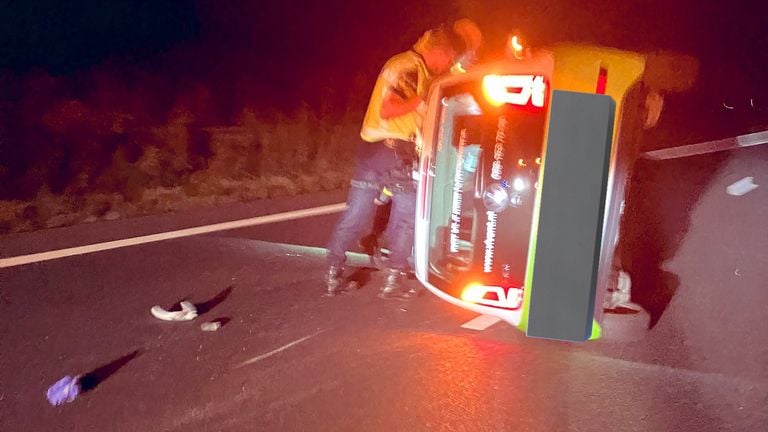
column 373, row 161
column 400, row 231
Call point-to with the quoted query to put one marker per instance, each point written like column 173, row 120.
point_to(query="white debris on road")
column 188, row 312
column 742, row 187
column 210, row 326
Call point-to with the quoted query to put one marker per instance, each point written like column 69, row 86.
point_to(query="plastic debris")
column 64, row 390
column 210, row 326
column 620, row 296
column 188, row 312
column 742, row 187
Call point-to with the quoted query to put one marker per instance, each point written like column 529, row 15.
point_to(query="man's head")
column 443, row 46
column 470, row 34
column 438, row 48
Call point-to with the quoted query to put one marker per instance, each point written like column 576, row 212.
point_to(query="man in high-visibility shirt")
column 391, row 125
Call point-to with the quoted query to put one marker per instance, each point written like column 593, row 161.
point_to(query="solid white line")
column 275, row 351
column 97, row 247
column 749, row 140
column 481, row 323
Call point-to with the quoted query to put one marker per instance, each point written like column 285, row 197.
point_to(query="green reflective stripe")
column 597, row 331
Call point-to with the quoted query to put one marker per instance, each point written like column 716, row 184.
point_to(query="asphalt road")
column 288, row 359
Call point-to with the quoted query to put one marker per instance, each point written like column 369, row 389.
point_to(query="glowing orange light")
column 521, row 162
column 473, row 292
column 494, row 90
column 538, row 161
column 515, row 89
column 459, row 68
column 517, row 47
column 511, row 298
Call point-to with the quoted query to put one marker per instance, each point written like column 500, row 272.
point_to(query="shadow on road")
column 92, row 379
column 222, row 320
column 205, row 307
column 362, row 276
column 657, row 218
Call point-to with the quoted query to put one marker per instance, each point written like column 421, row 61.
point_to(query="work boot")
column 393, row 285
column 334, row 283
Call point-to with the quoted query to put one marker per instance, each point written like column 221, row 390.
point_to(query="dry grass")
column 256, row 158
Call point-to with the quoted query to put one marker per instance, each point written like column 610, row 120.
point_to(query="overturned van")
column 481, row 164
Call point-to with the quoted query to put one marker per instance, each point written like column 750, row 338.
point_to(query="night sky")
column 63, row 37
column 218, row 57
column 301, row 50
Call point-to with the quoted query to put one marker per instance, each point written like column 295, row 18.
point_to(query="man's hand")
column 654, row 103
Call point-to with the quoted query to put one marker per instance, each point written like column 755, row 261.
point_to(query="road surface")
column 288, row 359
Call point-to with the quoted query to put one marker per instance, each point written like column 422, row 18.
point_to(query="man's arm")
column 400, row 96
column 395, row 106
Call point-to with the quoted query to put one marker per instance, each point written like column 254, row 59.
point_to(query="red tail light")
column 602, row 80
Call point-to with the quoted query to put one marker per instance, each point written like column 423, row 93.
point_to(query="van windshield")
column 484, row 172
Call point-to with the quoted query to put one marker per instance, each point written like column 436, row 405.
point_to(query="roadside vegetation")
column 116, row 150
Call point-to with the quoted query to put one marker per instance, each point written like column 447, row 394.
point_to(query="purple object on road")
column 64, row 391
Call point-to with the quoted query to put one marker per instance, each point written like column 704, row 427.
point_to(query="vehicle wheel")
column 625, row 324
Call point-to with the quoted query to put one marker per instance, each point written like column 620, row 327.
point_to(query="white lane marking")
column 749, row 140
column 742, row 187
column 224, row 226
column 278, row 350
column 481, row 323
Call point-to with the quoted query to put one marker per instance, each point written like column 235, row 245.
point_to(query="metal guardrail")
column 731, row 143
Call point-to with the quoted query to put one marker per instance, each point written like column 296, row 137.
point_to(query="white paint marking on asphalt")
column 753, row 139
column 742, row 187
column 278, row 350
column 749, row 140
column 481, row 323
column 224, row 226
